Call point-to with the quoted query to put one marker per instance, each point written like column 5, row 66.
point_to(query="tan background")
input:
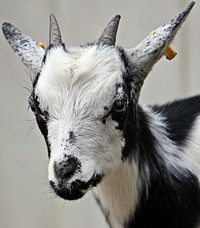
column 26, row 200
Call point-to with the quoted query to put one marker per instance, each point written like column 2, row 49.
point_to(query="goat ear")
column 151, row 49
column 24, row 46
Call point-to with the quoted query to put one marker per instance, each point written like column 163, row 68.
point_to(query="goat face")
column 78, row 96
column 85, row 99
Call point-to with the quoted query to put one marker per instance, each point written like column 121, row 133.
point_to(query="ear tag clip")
column 169, row 52
column 41, row 44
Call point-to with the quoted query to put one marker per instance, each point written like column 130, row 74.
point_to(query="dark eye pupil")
column 34, row 109
column 119, row 106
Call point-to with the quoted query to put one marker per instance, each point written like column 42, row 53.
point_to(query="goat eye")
column 120, row 106
column 34, row 109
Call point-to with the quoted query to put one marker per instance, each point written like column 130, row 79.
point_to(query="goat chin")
column 76, row 189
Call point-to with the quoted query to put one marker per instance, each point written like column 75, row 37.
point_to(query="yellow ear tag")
column 41, row 44
column 169, row 52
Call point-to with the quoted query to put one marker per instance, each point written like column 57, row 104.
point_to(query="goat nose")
column 66, row 168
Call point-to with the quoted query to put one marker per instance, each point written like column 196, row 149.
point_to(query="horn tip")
column 54, row 31
column 9, row 30
column 117, row 17
column 192, row 3
column 5, row 26
column 52, row 17
column 190, row 6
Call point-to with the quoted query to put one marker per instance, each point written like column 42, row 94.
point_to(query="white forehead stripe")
column 85, row 76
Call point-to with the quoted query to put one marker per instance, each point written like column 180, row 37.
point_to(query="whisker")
column 27, row 120
column 31, row 75
column 31, row 128
column 64, row 204
column 27, row 83
column 51, row 194
column 48, row 191
column 53, row 197
column 23, row 86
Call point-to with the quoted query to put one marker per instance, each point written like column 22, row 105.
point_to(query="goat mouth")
column 77, row 189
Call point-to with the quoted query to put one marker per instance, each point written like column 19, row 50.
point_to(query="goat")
column 142, row 163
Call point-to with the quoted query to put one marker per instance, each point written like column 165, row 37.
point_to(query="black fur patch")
column 42, row 124
column 75, row 190
column 173, row 201
column 173, row 198
column 72, row 138
column 180, row 116
column 41, row 119
column 66, row 168
column 36, row 80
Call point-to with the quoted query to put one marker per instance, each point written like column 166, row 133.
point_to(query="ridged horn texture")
column 151, row 49
column 109, row 34
column 54, row 32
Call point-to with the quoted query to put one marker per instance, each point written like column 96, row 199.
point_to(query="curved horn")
column 54, row 32
column 152, row 48
column 109, row 34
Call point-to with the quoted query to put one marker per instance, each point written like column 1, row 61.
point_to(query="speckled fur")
column 99, row 138
column 24, row 46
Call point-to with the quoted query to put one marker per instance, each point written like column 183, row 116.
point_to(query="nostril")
column 66, row 168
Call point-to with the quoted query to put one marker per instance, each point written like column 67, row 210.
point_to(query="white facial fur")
column 75, row 87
